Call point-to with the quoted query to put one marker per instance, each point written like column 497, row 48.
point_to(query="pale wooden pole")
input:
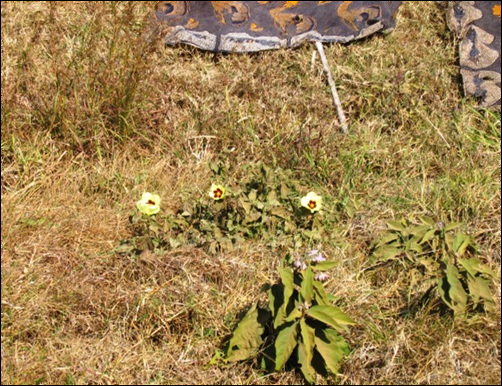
column 336, row 99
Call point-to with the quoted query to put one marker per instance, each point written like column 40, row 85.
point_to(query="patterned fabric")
column 247, row 26
column 478, row 24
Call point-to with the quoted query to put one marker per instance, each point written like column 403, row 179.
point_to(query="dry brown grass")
column 92, row 116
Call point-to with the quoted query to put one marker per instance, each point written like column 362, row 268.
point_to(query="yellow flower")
column 312, row 202
column 149, row 204
column 217, row 192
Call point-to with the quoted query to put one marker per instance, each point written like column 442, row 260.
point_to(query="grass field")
column 93, row 115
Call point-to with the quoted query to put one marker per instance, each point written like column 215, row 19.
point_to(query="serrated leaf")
column 214, row 167
column 456, row 292
column 448, row 238
column 285, row 344
column 272, row 198
column 320, row 295
column 276, row 300
column 332, row 316
column 461, row 242
column 280, row 317
column 452, row 225
column 308, row 334
column 428, row 235
column 324, row 265
column 479, row 289
column 396, row 225
column 305, row 361
column 287, row 279
column 246, row 205
column 419, row 232
column 427, row 220
column 387, row 252
column 246, row 338
column 411, row 245
column 307, row 287
column 332, row 348
column 295, row 314
column 389, row 237
column 474, row 266
column 284, row 190
column 470, row 265
column 281, row 212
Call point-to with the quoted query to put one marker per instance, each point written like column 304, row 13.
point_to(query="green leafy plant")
column 299, row 325
column 266, row 204
column 437, row 260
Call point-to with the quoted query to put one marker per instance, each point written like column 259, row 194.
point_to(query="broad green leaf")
column 246, row 205
column 280, row 317
column 461, row 242
column 281, row 212
column 428, row 235
column 452, row 225
column 427, row 220
column 442, row 289
column 456, row 292
column 305, row 361
column 276, row 304
column 396, row 225
column 296, row 313
column 320, row 294
column 430, row 264
column 474, row 266
column 308, row 334
column 285, row 344
column 332, row 316
column 272, row 198
column 307, row 288
column 448, row 238
column 413, row 246
column 470, row 265
column 284, row 190
column 246, row 339
column 275, row 298
column 324, row 265
column 419, row 232
column 332, row 348
column 478, row 288
column 287, row 279
column 389, row 237
column 387, row 252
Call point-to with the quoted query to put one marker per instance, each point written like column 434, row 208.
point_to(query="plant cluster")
column 438, row 262
column 299, row 325
column 266, row 204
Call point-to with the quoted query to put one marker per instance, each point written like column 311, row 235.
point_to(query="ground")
column 95, row 112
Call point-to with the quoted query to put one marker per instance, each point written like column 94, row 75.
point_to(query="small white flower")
column 321, row 276
column 316, row 256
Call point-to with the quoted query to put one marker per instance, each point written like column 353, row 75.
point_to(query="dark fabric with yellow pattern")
column 478, row 24
column 247, row 26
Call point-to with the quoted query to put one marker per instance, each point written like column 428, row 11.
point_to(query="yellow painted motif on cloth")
column 255, row 28
column 496, row 10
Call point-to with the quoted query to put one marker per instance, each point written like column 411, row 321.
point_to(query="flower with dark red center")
column 312, row 202
column 217, row 192
column 149, row 203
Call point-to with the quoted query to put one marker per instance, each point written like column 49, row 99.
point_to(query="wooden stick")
column 336, row 99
